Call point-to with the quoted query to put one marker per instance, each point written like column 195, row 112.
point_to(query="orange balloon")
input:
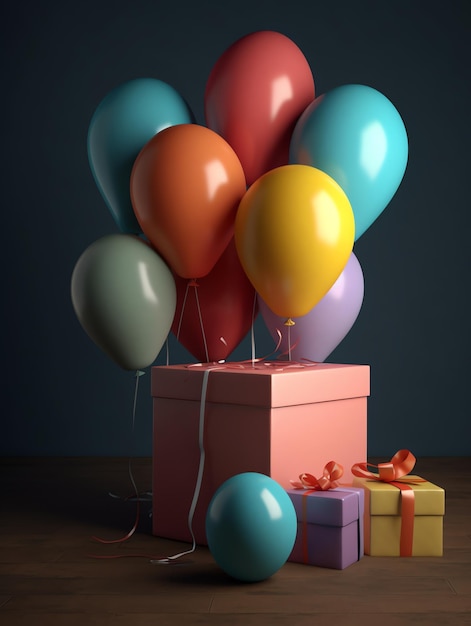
column 186, row 185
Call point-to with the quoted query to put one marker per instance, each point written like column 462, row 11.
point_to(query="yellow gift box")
column 403, row 513
column 384, row 517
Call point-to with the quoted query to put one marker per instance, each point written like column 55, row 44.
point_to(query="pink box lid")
column 261, row 386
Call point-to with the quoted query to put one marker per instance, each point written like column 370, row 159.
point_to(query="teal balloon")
column 125, row 120
column 124, row 296
column 251, row 526
column 356, row 136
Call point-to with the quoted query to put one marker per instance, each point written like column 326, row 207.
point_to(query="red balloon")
column 254, row 96
column 226, row 301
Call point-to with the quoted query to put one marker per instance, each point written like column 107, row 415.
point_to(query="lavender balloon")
column 316, row 334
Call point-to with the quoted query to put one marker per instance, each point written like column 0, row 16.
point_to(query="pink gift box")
column 275, row 419
column 330, row 527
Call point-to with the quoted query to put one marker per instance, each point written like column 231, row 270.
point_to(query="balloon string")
column 252, row 330
column 201, row 324
column 128, row 535
column 199, row 478
column 193, row 283
column 183, row 309
column 137, row 497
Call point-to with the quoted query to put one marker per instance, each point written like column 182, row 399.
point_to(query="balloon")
column 319, row 332
column 294, row 234
column 255, row 94
column 226, row 301
column 122, row 124
column 124, row 297
column 186, row 185
column 250, row 526
column 356, row 135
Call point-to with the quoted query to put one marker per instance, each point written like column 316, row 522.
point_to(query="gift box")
column 266, row 417
column 330, row 527
column 385, row 518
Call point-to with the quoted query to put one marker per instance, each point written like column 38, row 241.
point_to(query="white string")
column 201, row 324
column 199, row 479
column 137, row 496
column 252, row 332
column 289, row 343
column 199, row 315
column 137, row 374
column 183, row 309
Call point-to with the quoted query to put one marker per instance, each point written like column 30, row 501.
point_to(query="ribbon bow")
column 401, row 464
column 395, row 472
column 330, row 474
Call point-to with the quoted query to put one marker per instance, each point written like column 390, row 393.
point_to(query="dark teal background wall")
column 61, row 394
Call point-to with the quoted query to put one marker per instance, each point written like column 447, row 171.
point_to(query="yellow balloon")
column 294, row 233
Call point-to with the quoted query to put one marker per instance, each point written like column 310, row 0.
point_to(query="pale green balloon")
column 124, row 296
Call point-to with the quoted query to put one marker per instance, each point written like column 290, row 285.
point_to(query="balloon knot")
column 289, row 322
column 193, row 283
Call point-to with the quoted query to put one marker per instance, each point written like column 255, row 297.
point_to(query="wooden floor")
column 51, row 508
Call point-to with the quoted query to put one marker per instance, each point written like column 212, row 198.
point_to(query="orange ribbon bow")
column 395, row 472
column 330, row 474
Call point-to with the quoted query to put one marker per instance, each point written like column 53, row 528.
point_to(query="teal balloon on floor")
column 124, row 121
column 250, row 526
column 356, row 136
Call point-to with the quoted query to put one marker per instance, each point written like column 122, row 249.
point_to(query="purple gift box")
column 330, row 526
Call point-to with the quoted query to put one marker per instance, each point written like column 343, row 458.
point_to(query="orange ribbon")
column 395, row 472
column 330, row 474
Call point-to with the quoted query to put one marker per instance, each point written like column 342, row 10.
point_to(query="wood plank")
column 462, row 584
column 319, row 603
column 191, row 619
column 110, row 603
